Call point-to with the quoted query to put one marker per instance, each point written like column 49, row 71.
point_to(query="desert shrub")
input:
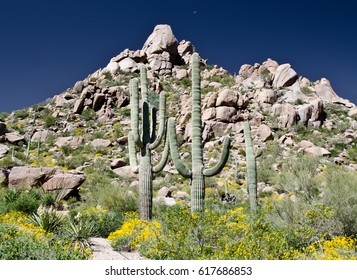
column 21, row 240
column 89, row 114
column 3, row 116
column 47, row 118
column 298, row 176
column 47, row 219
column 340, row 194
column 103, row 221
column 17, row 200
column 21, row 114
column 79, row 229
column 338, row 248
column 133, row 232
column 230, row 234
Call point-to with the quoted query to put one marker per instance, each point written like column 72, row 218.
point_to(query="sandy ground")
column 103, row 251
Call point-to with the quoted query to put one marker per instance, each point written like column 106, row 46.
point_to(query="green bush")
column 17, row 200
column 21, row 240
column 89, row 114
column 47, row 219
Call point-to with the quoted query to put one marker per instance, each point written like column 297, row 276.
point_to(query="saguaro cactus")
column 251, row 169
column 146, row 141
column 198, row 172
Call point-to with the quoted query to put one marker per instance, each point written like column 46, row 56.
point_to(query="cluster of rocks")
column 8, row 137
column 49, row 178
column 161, row 53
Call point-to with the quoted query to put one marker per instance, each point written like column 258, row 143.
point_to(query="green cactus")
column 251, row 169
column 146, row 141
column 198, row 172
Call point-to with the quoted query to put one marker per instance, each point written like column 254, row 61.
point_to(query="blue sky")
column 46, row 46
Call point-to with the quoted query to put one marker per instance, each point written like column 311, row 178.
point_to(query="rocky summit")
column 60, row 143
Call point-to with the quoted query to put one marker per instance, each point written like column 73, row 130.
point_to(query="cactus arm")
column 222, row 160
column 251, row 169
column 179, row 165
column 132, row 153
column 144, row 83
column 162, row 124
column 134, row 112
column 165, row 155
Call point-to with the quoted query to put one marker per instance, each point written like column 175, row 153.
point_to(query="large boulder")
column 128, row 65
column 227, row 97
column 284, row 76
column 161, row 40
column 13, row 137
column 286, row 112
column 49, row 178
column 325, row 92
column 226, row 114
column 67, row 183
column 30, row 176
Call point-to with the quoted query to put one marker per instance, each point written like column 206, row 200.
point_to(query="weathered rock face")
column 66, row 183
column 30, row 176
column 13, row 137
column 49, row 178
column 161, row 40
column 284, row 76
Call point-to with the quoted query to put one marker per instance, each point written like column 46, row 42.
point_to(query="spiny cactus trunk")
column 145, row 183
column 198, row 173
column 198, row 181
column 197, row 192
column 251, row 169
column 146, row 141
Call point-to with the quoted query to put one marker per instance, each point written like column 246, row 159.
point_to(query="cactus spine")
column 146, row 141
column 251, row 169
column 198, row 172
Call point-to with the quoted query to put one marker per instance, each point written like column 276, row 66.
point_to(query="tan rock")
column 125, row 172
column 209, row 114
column 317, row 151
column 286, row 112
column 353, row 112
column 160, row 40
column 13, row 137
column 265, row 133
column 227, row 97
column 101, row 143
column 181, row 73
column 30, row 176
column 265, row 95
column 284, row 76
column 226, row 114
column 67, row 183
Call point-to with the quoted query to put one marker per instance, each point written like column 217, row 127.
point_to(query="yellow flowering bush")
column 133, row 232
column 20, row 221
column 20, row 239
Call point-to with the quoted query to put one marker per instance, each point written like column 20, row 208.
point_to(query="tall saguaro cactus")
column 146, row 141
column 198, row 172
column 251, row 169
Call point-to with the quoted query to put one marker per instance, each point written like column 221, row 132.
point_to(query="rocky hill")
column 57, row 144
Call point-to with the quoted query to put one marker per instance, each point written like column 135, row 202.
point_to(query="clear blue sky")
column 46, row 46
